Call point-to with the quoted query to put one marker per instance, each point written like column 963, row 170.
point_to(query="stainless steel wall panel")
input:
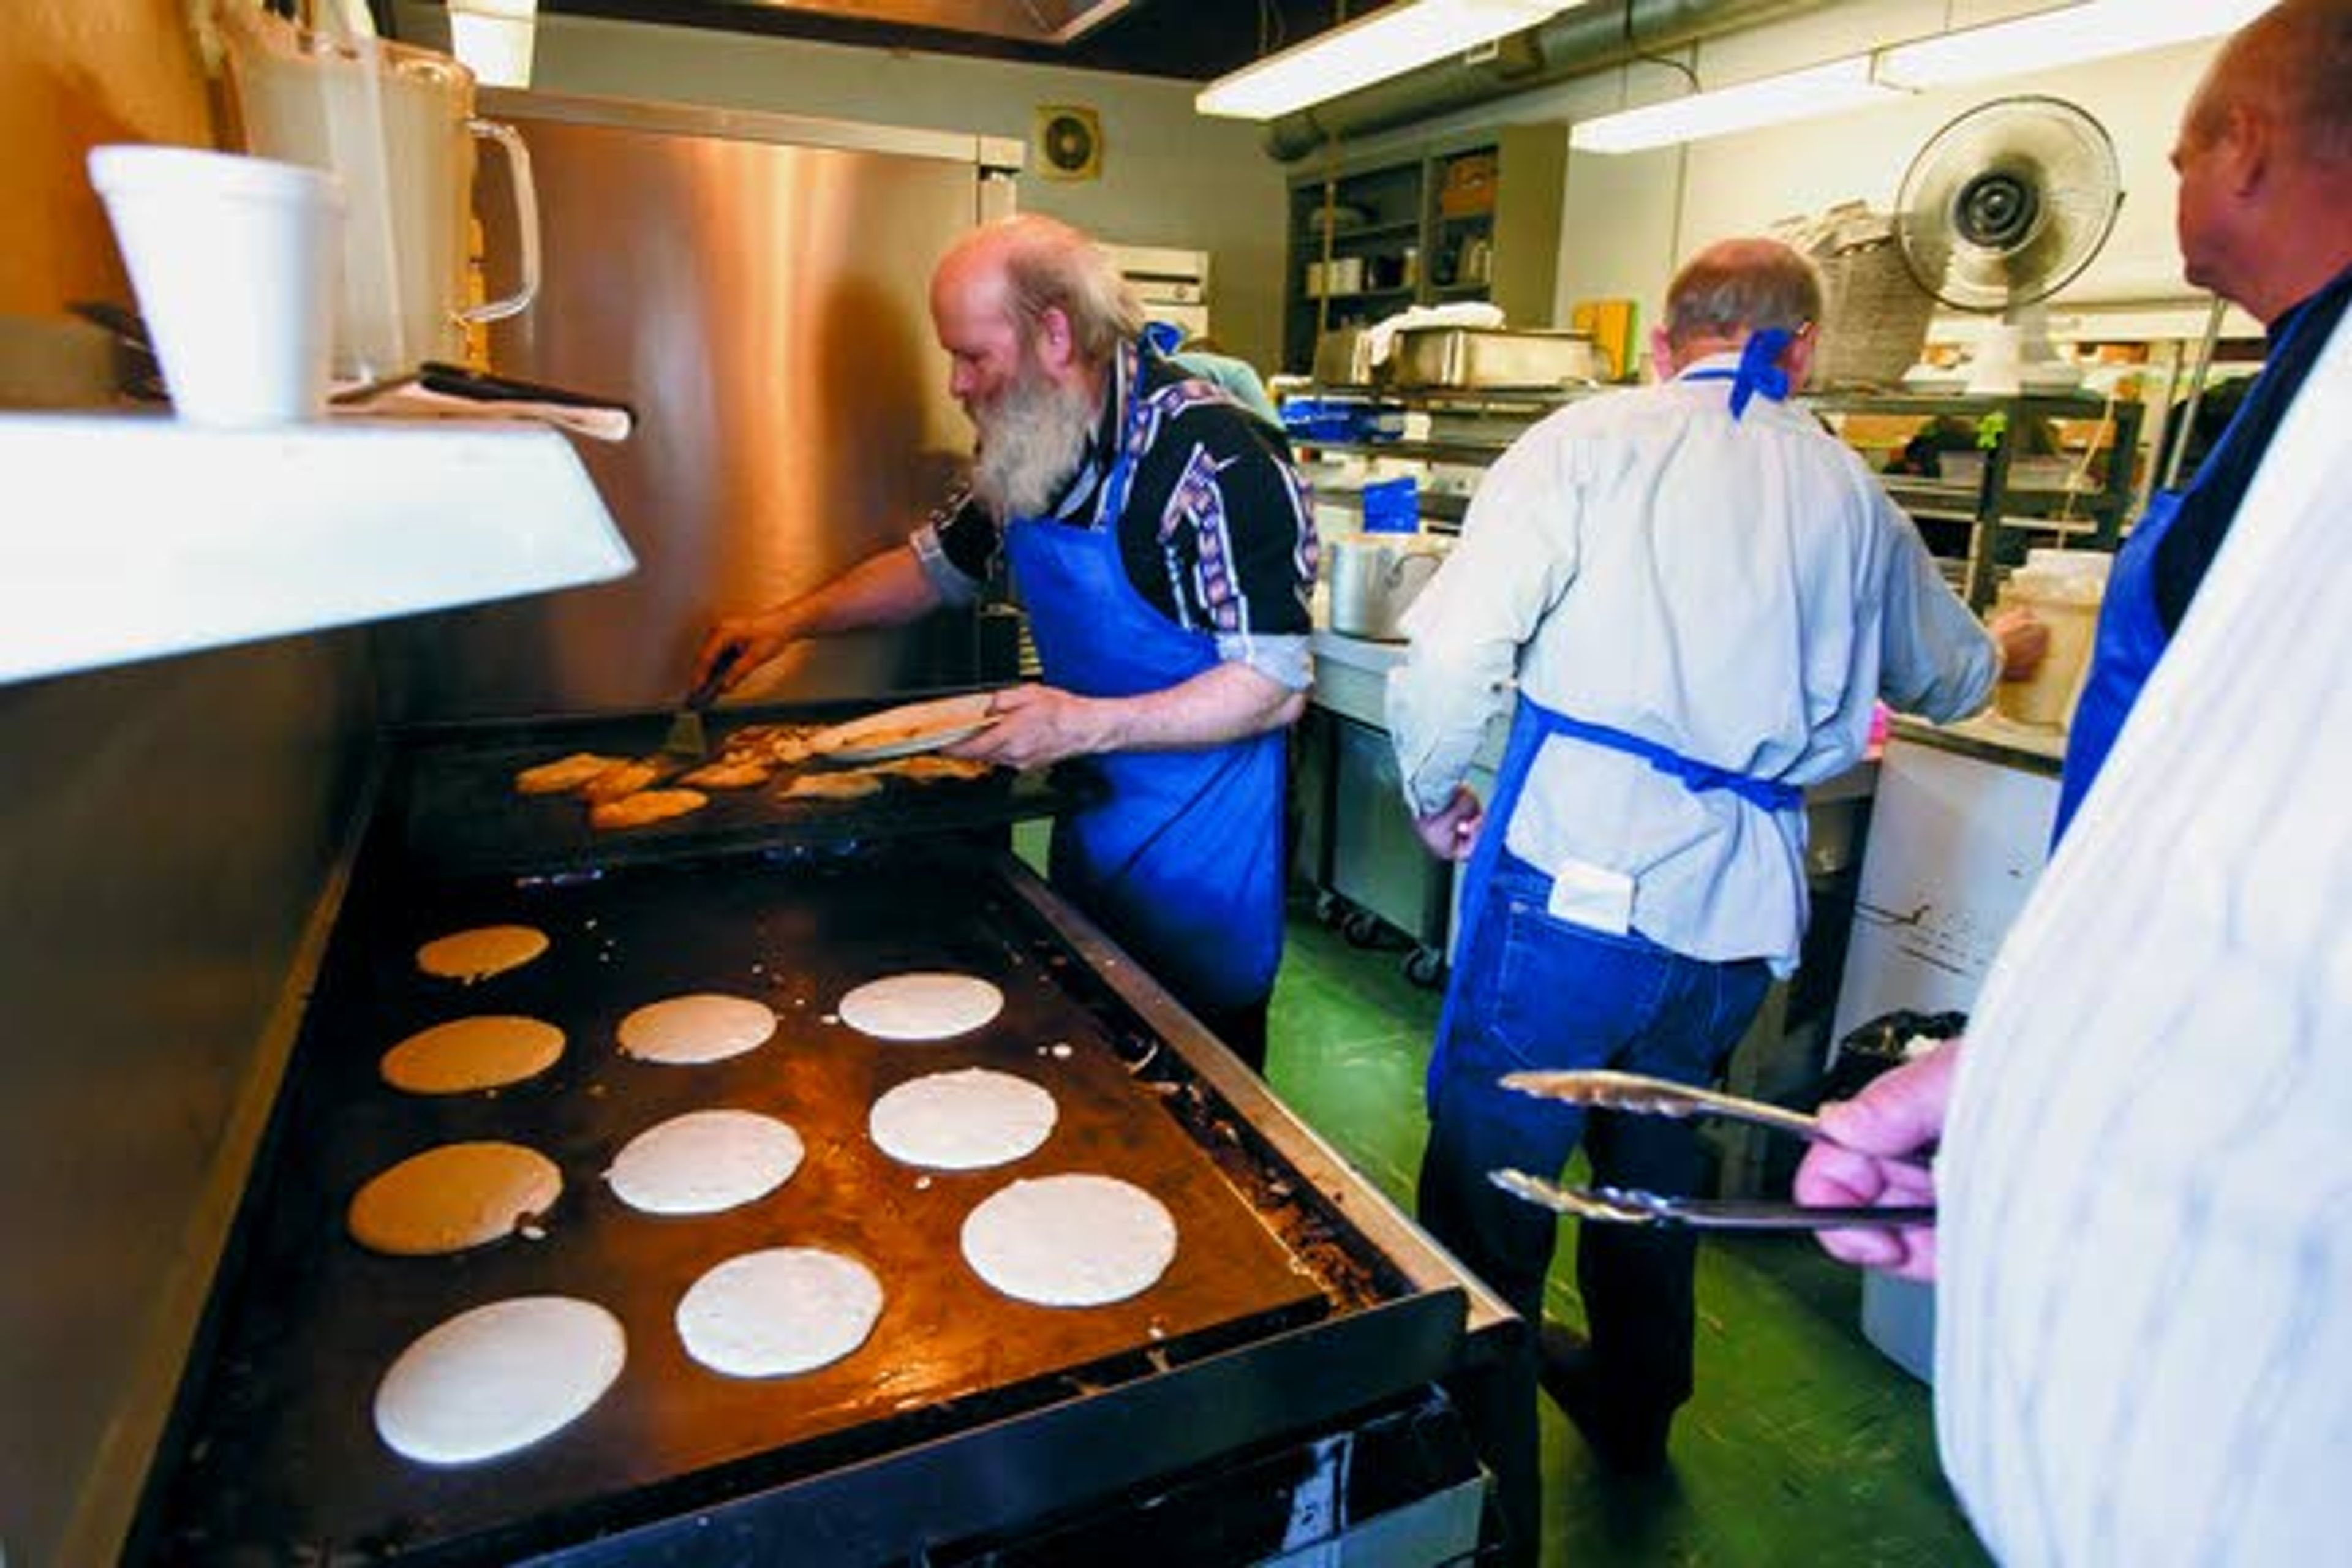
column 764, row 306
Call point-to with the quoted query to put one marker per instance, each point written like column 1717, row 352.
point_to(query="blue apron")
column 2131, row 635
column 1532, row 724
column 1182, row 860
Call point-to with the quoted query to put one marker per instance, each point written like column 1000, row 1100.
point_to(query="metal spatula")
column 687, row 737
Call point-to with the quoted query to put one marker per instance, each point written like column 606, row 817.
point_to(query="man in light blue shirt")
column 1697, row 594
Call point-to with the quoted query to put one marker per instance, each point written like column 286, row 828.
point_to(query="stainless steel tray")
column 1492, row 356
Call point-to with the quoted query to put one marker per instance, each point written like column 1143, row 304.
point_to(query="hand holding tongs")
column 1641, row 1095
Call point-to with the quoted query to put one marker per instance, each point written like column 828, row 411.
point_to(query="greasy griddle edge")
column 1341, row 1274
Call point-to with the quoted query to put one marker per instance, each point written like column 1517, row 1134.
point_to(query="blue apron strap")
column 1760, row 370
column 1772, row 794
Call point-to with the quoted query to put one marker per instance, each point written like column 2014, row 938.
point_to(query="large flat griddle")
column 462, row 817
column 282, row 1461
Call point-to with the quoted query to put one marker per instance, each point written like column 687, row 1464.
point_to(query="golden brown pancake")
column 646, row 806
column 620, row 779
column 453, row 1198
column 567, row 773
column 728, row 772
column 851, row 784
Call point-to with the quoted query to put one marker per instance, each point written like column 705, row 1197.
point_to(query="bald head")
column 2264, row 157
column 1031, row 267
column 2293, row 64
column 1733, row 289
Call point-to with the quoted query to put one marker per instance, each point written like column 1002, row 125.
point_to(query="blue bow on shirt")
column 1760, row 369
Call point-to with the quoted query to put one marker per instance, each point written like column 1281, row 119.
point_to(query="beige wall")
column 74, row 74
column 1170, row 176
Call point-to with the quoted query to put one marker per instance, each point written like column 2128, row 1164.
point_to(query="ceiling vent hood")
column 1022, row 21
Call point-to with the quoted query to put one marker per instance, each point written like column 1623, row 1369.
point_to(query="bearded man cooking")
column 1164, row 548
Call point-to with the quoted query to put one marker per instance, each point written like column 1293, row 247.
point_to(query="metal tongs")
column 1637, row 1095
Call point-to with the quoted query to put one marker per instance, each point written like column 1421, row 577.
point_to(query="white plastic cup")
column 236, row 262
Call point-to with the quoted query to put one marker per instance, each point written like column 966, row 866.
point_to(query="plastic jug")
column 2062, row 589
column 397, row 125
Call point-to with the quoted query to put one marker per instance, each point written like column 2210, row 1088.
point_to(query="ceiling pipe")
column 1576, row 43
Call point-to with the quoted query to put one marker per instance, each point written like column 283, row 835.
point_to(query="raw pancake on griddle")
column 964, row 1120
column 498, row 1378
column 787, row 1310
column 453, row 1198
column 923, row 1006
column 1070, row 1240
column 848, row 784
column 478, row 953
column 705, row 1161
column 704, row 1026
column 487, row 1051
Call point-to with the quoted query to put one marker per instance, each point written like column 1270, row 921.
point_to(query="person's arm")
column 887, row 589
column 1518, row 552
column 1936, row 660
column 1036, row 725
column 1883, row 1137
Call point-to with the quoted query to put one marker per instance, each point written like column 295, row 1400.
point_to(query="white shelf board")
column 131, row 536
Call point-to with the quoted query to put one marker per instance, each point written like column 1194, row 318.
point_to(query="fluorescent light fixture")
column 494, row 38
column 2070, row 34
column 1389, row 42
column 1794, row 95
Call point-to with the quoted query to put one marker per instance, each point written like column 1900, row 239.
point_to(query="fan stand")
column 2015, row 355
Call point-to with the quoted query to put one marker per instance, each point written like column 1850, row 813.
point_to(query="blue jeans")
column 1539, row 993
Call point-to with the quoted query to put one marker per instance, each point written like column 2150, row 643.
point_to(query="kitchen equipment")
column 2062, row 589
column 1492, row 357
column 2004, row 207
column 687, row 736
column 773, row 449
column 1376, row 577
column 1636, row 1094
column 397, row 125
column 1299, row 1305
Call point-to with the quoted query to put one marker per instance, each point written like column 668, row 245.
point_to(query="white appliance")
column 1172, row 284
column 1957, row 842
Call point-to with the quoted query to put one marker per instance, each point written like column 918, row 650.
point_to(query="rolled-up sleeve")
column 1936, row 660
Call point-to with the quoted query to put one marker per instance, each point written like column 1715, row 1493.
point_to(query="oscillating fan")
column 2003, row 207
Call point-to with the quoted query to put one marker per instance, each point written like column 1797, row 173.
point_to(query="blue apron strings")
column 1760, row 370
column 1772, row 794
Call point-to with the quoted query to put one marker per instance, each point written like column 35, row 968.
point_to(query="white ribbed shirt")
column 1740, row 592
column 2143, row 1322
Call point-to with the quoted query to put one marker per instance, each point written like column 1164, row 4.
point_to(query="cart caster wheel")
column 1330, row 909
column 1424, row 966
column 1362, row 929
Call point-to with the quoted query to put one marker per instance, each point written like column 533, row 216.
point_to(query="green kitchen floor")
column 1803, row 1445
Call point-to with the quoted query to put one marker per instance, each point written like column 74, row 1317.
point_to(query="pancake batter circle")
column 498, row 1378
column 702, row 1028
column 787, row 1310
column 478, row 953
column 1070, row 1240
column 453, row 1198
column 486, row 1051
column 964, row 1120
column 705, row 1161
column 925, row 1005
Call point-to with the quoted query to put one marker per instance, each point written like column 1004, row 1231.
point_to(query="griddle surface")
column 461, row 815
column 283, row 1461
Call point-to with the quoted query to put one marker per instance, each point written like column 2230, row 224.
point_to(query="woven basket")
column 1873, row 315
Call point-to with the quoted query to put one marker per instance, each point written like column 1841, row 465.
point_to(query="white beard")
column 1031, row 439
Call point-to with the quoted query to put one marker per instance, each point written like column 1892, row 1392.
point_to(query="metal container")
column 1375, row 579
column 1492, row 356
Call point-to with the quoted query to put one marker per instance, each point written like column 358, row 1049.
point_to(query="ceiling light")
column 1389, row 42
column 2070, row 34
column 1794, row 95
